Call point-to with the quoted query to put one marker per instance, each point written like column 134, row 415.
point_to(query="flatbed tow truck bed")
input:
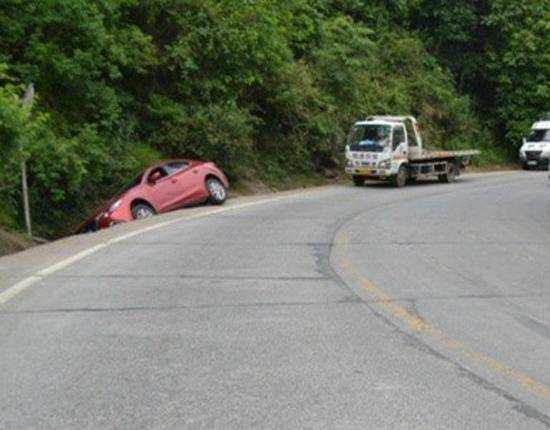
column 442, row 155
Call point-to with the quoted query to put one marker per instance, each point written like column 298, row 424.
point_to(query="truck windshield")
column 539, row 135
column 369, row 137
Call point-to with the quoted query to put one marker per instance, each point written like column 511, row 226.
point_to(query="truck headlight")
column 385, row 164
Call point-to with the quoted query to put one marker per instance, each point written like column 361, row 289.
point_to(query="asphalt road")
column 340, row 307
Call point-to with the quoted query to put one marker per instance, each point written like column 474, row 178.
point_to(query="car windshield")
column 539, row 135
column 369, row 137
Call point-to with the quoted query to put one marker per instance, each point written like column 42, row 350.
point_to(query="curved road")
column 339, row 307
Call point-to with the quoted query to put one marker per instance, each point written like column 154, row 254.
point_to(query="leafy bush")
column 498, row 51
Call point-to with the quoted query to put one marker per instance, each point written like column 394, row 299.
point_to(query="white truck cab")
column 535, row 151
column 374, row 146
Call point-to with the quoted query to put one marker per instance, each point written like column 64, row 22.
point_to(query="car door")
column 162, row 193
column 187, row 180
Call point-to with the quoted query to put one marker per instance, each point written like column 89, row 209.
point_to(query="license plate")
column 532, row 163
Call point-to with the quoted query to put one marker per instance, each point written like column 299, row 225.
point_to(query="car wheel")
column 358, row 181
column 142, row 211
column 400, row 180
column 216, row 191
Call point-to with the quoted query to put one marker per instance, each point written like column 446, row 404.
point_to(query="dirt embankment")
column 12, row 242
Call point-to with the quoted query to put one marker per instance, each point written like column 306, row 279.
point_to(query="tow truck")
column 390, row 148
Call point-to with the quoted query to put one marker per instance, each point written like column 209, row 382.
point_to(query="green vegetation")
column 265, row 89
column 499, row 54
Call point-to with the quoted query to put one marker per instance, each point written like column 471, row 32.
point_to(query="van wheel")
column 451, row 174
column 358, row 180
column 400, row 180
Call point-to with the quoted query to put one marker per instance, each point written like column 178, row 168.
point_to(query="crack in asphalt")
column 218, row 244
column 411, row 302
column 345, row 301
column 533, row 325
column 464, row 242
column 194, row 277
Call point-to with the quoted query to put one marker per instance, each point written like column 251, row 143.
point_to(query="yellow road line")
column 417, row 324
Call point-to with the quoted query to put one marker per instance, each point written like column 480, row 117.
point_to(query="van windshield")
column 369, row 137
column 539, row 135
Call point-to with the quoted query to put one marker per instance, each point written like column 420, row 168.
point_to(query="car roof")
column 163, row 163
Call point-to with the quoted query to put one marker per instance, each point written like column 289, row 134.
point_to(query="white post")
column 26, row 207
column 27, row 101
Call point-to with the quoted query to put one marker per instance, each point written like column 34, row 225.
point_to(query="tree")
column 518, row 63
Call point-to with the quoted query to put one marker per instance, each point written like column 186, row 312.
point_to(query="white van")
column 535, row 151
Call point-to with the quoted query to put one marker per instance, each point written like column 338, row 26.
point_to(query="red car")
column 162, row 188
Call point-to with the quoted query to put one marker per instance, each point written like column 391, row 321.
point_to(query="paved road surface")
column 341, row 307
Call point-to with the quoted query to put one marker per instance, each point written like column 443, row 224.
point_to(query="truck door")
column 400, row 146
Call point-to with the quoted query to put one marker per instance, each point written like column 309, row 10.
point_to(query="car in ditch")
column 161, row 188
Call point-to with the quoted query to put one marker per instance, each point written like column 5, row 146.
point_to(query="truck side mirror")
column 523, row 141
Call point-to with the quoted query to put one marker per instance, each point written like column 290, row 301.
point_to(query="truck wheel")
column 400, row 180
column 358, row 181
column 525, row 166
column 451, row 174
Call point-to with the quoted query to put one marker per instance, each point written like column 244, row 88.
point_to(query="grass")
column 11, row 242
column 274, row 181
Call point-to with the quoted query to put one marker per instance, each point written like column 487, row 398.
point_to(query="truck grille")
column 533, row 155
